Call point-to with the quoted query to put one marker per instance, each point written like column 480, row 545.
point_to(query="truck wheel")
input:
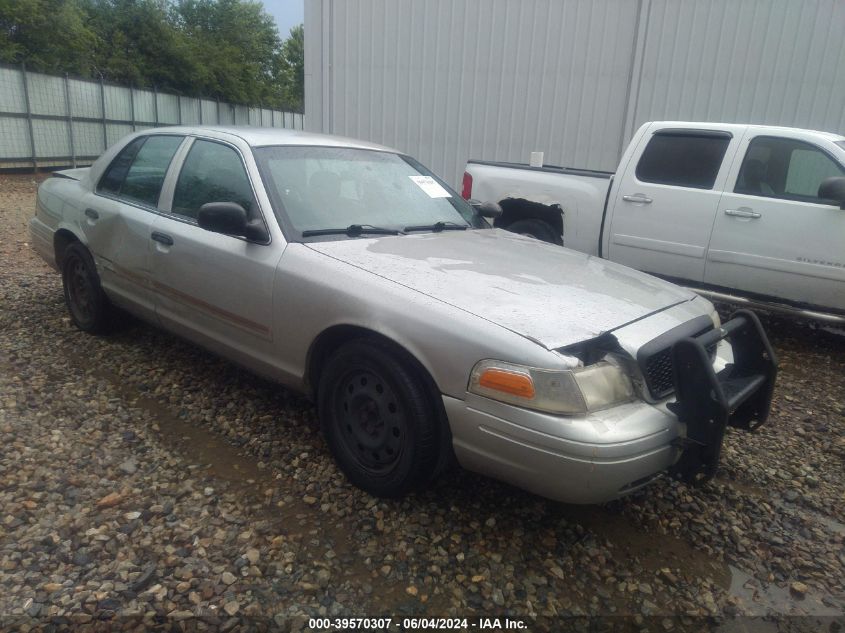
column 378, row 419
column 89, row 308
column 537, row 229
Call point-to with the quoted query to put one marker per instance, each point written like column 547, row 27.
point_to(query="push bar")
column 707, row 402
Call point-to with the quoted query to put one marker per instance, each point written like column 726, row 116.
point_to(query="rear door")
column 773, row 235
column 665, row 203
column 215, row 289
column 119, row 214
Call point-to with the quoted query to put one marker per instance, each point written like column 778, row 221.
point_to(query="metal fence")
column 52, row 121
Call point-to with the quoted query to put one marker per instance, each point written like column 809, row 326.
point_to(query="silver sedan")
column 349, row 272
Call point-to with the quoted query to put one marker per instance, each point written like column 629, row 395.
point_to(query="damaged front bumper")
column 609, row 453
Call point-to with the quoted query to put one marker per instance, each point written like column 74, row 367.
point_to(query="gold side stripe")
column 213, row 310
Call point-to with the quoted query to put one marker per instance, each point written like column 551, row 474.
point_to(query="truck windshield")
column 315, row 190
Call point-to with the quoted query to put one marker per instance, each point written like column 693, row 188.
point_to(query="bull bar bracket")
column 707, row 402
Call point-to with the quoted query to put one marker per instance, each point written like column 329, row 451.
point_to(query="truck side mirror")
column 833, row 189
column 486, row 209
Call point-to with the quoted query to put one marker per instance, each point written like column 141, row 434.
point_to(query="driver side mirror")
column 230, row 218
column 833, row 189
column 487, row 209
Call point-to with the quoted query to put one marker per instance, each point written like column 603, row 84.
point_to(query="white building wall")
column 448, row 80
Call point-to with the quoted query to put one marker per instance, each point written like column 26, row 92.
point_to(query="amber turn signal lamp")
column 507, row 382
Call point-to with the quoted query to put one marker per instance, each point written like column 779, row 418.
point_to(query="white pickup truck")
column 742, row 213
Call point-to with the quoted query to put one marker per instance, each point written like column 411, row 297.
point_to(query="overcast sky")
column 288, row 13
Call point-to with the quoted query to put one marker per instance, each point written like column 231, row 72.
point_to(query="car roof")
column 265, row 136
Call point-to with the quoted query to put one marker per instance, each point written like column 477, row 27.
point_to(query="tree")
column 49, row 35
column 138, row 45
column 236, row 41
column 292, row 77
column 228, row 49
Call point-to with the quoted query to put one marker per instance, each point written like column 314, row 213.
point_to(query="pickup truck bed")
column 534, row 202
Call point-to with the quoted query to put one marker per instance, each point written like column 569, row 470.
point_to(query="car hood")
column 552, row 295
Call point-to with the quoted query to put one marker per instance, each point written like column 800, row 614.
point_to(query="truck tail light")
column 466, row 186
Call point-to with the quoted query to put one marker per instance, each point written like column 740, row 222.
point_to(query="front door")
column 773, row 235
column 212, row 288
column 665, row 204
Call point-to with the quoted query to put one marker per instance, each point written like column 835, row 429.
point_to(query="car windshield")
column 316, row 190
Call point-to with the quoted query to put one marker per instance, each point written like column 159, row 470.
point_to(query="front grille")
column 658, row 373
column 655, row 357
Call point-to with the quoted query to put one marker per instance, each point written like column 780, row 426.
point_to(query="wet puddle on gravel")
column 766, row 599
column 642, row 550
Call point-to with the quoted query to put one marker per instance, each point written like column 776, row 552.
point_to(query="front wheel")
column 86, row 302
column 378, row 419
column 537, row 229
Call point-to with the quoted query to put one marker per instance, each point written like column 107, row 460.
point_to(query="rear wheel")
column 535, row 228
column 86, row 302
column 378, row 419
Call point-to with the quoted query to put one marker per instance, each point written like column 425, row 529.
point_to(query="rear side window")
column 146, row 174
column 212, row 172
column 113, row 178
column 683, row 159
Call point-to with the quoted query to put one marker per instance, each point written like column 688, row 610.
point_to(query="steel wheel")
column 80, row 291
column 379, row 419
column 87, row 304
column 371, row 423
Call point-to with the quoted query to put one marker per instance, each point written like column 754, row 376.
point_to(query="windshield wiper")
column 353, row 230
column 437, row 227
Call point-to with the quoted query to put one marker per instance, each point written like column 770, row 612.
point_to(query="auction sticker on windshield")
column 430, row 186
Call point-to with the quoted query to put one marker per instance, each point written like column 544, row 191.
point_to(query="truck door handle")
column 92, row 214
column 162, row 238
column 742, row 213
column 640, row 198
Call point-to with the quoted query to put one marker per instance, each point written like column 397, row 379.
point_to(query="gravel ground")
column 146, row 483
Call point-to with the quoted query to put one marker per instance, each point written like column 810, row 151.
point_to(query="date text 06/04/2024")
column 416, row 624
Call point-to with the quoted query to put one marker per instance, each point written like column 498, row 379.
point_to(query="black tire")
column 89, row 308
column 378, row 419
column 537, row 229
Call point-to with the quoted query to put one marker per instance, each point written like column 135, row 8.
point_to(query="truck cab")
column 740, row 212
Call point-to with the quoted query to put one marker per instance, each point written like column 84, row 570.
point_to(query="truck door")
column 773, row 235
column 665, row 202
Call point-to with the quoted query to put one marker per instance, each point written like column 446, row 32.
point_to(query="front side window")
column 314, row 188
column 212, row 172
column 785, row 168
column 683, row 158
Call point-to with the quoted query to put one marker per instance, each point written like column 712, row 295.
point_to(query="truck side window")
column 683, row 158
column 785, row 168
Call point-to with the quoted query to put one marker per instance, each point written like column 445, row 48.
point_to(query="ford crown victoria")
column 349, row 272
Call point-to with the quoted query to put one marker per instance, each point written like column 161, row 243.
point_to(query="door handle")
column 162, row 238
column 92, row 214
column 640, row 198
column 742, row 213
